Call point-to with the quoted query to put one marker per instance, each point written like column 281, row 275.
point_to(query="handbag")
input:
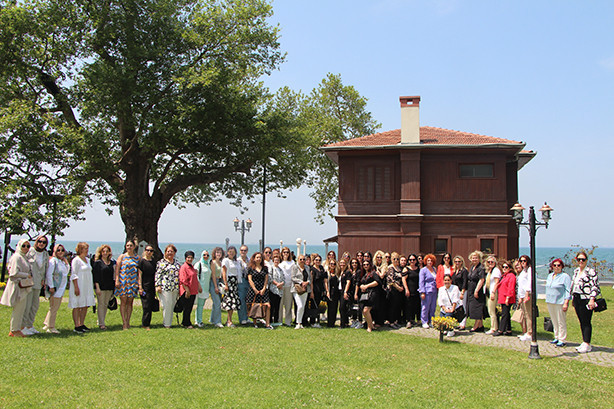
column 459, row 313
column 155, row 305
column 112, row 305
column 601, row 305
column 548, row 326
column 299, row 289
column 178, row 305
column 26, row 282
column 364, row 297
column 518, row 316
column 221, row 288
column 257, row 310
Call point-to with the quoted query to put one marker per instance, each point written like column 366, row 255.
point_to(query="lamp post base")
column 534, row 353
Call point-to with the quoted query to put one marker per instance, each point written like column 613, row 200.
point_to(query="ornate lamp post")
column 532, row 225
column 242, row 226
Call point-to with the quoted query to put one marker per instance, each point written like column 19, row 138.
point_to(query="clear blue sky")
column 541, row 72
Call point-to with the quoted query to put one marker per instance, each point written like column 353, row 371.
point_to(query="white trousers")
column 559, row 321
column 301, row 302
column 168, row 300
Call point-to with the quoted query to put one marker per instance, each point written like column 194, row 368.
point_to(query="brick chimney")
column 410, row 119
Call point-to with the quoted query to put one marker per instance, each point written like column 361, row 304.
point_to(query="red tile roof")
column 428, row 136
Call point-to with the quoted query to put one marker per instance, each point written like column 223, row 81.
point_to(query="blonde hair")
column 98, row 254
column 478, row 253
column 80, row 247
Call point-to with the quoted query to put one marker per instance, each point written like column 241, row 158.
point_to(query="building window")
column 482, row 170
column 487, row 246
column 441, row 246
column 374, row 183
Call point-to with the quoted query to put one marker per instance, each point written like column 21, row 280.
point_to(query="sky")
column 539, row 72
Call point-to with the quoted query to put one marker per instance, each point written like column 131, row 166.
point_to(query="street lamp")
column 242, row 226
column 532, row 225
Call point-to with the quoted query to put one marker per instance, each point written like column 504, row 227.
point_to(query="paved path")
column 599, row 355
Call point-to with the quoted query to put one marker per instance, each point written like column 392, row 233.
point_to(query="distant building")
column 426, row 189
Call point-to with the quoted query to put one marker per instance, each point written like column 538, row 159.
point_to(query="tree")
column 151, row 102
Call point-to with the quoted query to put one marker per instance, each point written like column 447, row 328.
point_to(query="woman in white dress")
column 81, row 294
column 56, row 278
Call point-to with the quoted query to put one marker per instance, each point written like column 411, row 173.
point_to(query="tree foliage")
column 143, row 103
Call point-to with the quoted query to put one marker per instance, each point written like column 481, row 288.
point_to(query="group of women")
column 365, row 291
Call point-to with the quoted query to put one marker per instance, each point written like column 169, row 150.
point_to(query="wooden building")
column 425, row 189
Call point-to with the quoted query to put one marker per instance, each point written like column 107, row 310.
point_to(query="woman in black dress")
column 103, row 271
column 258, row 291
column 475, row 282
column 318, row 275
column 368, row 298
column 147, row 287
column 411, row 275
column 459, row 279
column 394, row 281
column 347, row 294
column 356, row 310
column 332, row 293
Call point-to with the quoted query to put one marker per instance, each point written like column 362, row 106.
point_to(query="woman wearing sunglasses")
column 57, row 278
column 506, row 293
column 147, row 285
column 18, row 287
column 585, row 289
column 558, row 294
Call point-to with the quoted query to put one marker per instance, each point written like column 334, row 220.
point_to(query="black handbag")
column 178, row 305
column 548, row 326
column 155, row 305
column 459, row 313
column 600, row 305
column 112, row 305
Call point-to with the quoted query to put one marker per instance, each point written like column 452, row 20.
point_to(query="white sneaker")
column 219, row 325
column 526, row 337
column 425, row 326
column 450, row 334
column 584, row 348
column 490, row 332
column 298, row 326
column 316, row 325
column 26, row 331
column 52, row 331
column 200, row 324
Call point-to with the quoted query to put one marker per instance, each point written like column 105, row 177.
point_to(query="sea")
column 543, row 254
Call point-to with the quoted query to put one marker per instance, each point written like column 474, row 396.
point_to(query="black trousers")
column 505, row 325
column 188, row 303
column 584, row 316
column 395, row 301
column 412, row 308
column 147, row 302
column 331, row 312
column 275, row 302
column 344, row 311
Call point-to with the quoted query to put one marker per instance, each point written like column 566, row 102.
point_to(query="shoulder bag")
column 459, row 312
column 26, row 282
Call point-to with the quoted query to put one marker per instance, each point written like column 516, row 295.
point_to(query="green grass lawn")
column 254, row 368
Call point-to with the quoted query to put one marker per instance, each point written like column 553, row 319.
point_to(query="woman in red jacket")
column 507, row 297
column 445, row 268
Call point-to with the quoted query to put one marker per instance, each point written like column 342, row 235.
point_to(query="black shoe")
column 79, row 330
column 83, row 328
column 497, row 334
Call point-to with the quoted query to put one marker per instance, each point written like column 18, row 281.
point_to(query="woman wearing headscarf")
column 81, row 293
column 56, row 279
column 39, row 261
column 167, row 283
column 204, row 279
column 18, row 287
column 104, row 281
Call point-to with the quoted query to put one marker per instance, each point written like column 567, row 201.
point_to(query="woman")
column 56, row 279
column 320, row 279
column 147, row 287
column 523, row 272
column 18, row 287
column 475, row 284
column 288, row 267
column 204, row 279
column 379, row 312
column 493, row 275
column 445, row 267
column 585, row 289
column 127, row 281
column 356, row 311
column 448, row 299
column 258, row 291
column 346, row 296
column 459, row 279
column 104, row 281
column 558, row 294
column 301, row 287
column 188, row 288
column 380, row 264
column 231, row 274
column 506, row 293
column 214, row 291
column 411, row 278
column 332, row 292
column 81, row 294
column 167, row 283
column 368, row 283
column 427, row 287
column 394, row 281
column 276, row 288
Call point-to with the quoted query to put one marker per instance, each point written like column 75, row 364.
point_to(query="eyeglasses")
column 267, row 252
column 505, row 267
column 491, row 261
column 446, row 258
column 412, row 259
column 557, row 265
column 42, row 241
column 523, row 261
column 206, row 255
column 286, row 252
column 62, row 250
column 581, row 259
column 396, row 258
column 457, row 261
column 25, row 246
column 243, row 250
column 149, row 250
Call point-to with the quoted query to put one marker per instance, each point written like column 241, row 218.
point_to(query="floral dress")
column 128, row 277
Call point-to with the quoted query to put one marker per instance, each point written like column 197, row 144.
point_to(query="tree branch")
column 52, row 88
